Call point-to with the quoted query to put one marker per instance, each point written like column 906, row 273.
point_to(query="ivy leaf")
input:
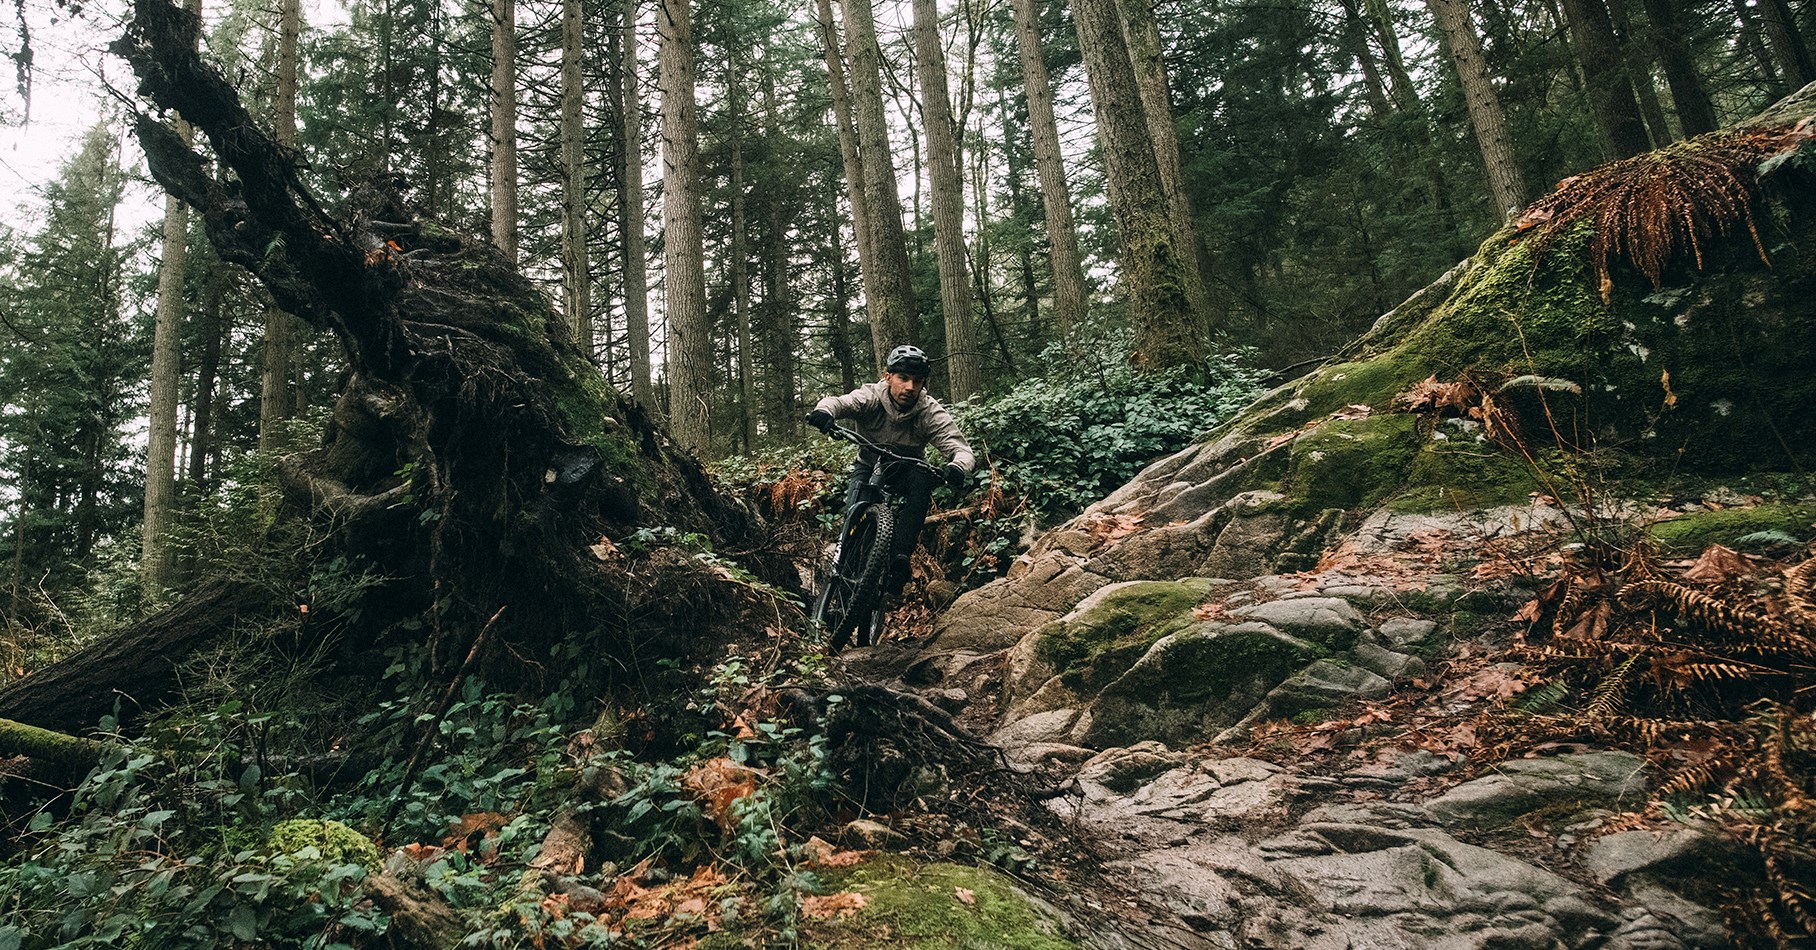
column 243, row 922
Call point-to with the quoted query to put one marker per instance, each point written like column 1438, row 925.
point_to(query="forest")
column 1391, row 526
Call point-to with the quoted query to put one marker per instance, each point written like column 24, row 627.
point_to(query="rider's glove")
column 821, row 420
column 955, row 476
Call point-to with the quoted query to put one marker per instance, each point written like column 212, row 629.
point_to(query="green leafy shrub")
column 1068, row 438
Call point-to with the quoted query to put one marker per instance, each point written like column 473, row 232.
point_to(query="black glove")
column 955, row 476
column 821, row 420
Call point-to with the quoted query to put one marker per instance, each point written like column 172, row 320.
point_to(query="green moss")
column 335, row 842
column 1690, row 534
column 1371, row 382
column 1457, row 474
column 1095, row 647
column 920, row 907
column 1350, row 463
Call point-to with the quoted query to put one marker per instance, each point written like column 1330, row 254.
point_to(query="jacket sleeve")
column 852, row 405
column 944, row 433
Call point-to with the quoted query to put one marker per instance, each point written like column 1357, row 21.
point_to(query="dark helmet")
column 908, row 360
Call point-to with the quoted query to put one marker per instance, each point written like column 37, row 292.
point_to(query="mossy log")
column 474, row 455
column 136, row 665
column 73, row 753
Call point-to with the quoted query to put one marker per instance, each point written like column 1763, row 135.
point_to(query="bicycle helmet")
column 908, row 360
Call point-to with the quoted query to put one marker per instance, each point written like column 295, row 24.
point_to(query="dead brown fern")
column 1653, row 209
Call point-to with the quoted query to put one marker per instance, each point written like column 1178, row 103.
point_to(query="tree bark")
column 274, row 377
column 504, row 127
column 1786, row 43
column 1695, row 113
column 137, row 667
column 1751, row 37
column 777, row 293
column 894, row 316
column 201, row 437
column 740, row 264
column 1064, row 260
column 868, row 269
column 576, row 269
column 944, row 167
column 1167, row 331
column 1506, row 184
column 690, row 359
column 630, row 217
column 1610, row 95
column 1142, row 35
column 166, row 377
column 1637, row 57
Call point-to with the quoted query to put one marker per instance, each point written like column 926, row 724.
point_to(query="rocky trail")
column 1339, row 801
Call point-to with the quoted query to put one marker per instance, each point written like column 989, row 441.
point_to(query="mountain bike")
column 850, row 599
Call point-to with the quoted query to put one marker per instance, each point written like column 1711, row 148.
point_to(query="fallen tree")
column 473, row 451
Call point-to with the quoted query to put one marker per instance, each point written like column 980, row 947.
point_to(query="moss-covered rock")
column 1351, row 463
column 1694, row 532
column 1194, row 683
column 335, row 842
column 1106, row 634
column 909, row 906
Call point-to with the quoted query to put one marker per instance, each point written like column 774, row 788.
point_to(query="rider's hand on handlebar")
column 955, row 476
column 821, row 420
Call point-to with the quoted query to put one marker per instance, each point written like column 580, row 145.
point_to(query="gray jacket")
column 907, row 433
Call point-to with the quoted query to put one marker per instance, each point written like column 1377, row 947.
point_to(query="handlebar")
column 850, row 435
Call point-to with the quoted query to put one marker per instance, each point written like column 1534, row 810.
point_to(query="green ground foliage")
column 1741, row 528
column 935, row 907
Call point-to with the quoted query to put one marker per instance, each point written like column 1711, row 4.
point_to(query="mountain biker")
column 896, row 412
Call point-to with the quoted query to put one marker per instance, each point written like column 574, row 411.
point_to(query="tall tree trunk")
column 20, row 523
column 1695, row 113
column 630, row 217
column 777, row 292
column 1167, row 331
column 160, row 447
column 201, row 433
column 740, row 264
column 166, row 376
column 869, row 270
column 894, row 317
column 1610, row 96
column 838, row 336
column 1355, row 36
column 945, row 169
column 1506, row 184
column 504, row 127
column 1064, row 259
column 575, row 267
column 1787, row 45
column 1637, row 56
column 690, row 355
column 1142, row 35
column 1751, row 37
column 274, row 377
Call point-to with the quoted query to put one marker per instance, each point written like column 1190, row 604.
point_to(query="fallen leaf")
column 842, row 904
column 717, row 783
column 1353, row 411
column 965, row 895
column 1717, row 565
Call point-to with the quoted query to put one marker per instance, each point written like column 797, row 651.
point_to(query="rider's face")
column 904, row 391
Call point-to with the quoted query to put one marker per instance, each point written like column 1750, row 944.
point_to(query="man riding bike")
column 897, row 413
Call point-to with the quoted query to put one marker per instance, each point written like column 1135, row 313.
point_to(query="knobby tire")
column 870, row 559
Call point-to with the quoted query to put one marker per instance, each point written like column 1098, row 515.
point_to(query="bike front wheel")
column 853, row 588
